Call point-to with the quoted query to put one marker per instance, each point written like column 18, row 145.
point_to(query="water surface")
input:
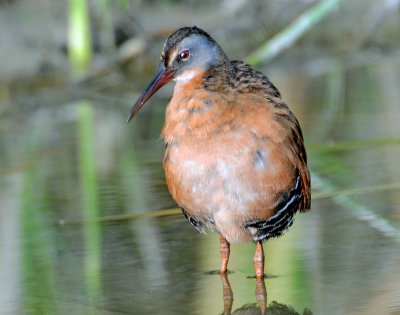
column 67, row 161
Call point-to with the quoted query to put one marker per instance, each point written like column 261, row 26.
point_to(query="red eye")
column 184, row 55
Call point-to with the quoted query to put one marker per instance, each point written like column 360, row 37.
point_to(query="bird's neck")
column 216, row 79
column 196, row 109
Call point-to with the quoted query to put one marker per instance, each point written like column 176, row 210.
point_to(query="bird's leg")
column 261, row 295
column 227, row 294
column 224, row 250
column 259, row 260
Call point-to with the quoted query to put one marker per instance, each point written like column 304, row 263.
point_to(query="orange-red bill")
column 162, row 77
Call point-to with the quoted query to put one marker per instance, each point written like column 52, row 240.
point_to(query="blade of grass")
column 355, row 191
column 79, row 37
column 359, row 211
column 38, row 270
column 352, row 145
column 176, row 211
column 292, row 32
column 88, row 179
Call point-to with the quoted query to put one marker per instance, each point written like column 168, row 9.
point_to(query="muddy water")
column 66, row 163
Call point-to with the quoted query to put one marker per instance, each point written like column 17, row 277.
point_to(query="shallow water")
column 64, row 164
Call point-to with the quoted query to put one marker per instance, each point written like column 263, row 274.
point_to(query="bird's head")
column 189, row 52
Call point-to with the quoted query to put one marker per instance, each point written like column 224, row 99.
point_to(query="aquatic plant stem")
column 90, row 209
column 292, row 32
column 79, row 37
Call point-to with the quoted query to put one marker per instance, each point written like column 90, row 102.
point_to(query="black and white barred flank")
column 283, row 217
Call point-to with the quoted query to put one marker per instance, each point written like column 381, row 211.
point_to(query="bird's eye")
column 184, row 55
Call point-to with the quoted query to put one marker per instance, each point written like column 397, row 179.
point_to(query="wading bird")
column 234, row 159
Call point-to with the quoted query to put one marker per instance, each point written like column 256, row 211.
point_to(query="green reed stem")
column 292, row 32
column 88, row 179
column 79, row 36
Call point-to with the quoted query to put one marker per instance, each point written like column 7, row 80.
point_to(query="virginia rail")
column 234, row 157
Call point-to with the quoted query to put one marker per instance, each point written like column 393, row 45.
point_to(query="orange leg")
column 225, row 251
column 261, row 295
column 259, row 260
column 227, row 294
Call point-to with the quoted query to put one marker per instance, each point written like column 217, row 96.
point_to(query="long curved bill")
column 162, row 77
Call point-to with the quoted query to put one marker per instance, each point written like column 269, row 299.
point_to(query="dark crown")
column 174, row 39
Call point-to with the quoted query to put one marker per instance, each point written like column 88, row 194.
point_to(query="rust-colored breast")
column 229, row 159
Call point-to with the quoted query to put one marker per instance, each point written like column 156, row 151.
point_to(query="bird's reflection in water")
column 274, row 308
